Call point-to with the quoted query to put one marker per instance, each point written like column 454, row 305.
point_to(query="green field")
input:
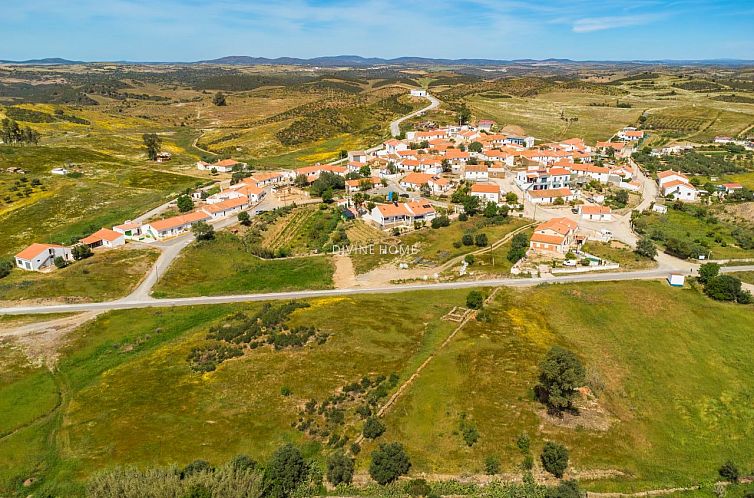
column 666, row 375
column 106, row 275
column 222, row 266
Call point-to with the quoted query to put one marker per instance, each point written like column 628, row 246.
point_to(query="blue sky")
column 188, row 30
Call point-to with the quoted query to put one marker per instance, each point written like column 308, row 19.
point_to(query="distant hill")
column 49, row 61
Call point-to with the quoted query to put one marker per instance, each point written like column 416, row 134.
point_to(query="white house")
column 476, row 172
column 129, row 229
column 556, row 235
column 596, row 213
column 680, row 191
column 549, row 196
column 226, row 207
column 175, row 225
column 39, row 256
column 105, row 238
column 390, row 215
column 417, row 92
column 489, row 192
column 630, row 134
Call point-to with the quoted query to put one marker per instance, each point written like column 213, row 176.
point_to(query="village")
column 576, row 190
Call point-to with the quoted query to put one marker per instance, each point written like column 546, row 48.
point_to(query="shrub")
column 440, row 221
column 474, row 300
column 463, row 217
column 418, row 487
column 519, row 246
column 723, row 288
column 469, row 259
column 645, row 247
column 389, row 462
column 373, row 428
column 203, row 231
column 81, row 251
column 184, row 203
column 467, row 239
column 339, row 468
column 523, row 443
column 5, row 268
column 708, row 271
column 60, row 262
column 565, row 489
column 285, row 472
column 244, row 218
column 554, row 458
column 355, row 448
column 560, row 373
column 729, row 471
column 470, row 434
column 491, row 465
column 196, row 467
column 480, row 240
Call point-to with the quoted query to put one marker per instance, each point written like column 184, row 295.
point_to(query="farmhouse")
column 596, row 213
column 485, row 124
column 390, row 215
column 265, row 179
column 630, row 134
column 312, row 172
column 39, row 256
column 224, row 166
column 676, row 185
column 549, row 196
column 489, row 192
column 105, row 238
column 543, row 178
column 592, row 172
column 554, row 236
column 175, row 225
column 226, row 207
column 417, row 92
column 394, row 145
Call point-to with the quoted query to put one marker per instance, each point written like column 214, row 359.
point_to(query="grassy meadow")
column 669, row 369
column 104, row 276
column 223, row 266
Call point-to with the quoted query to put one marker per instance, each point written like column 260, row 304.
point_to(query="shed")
column 676, row 279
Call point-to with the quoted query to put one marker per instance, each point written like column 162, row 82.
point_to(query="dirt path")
column 344, row 276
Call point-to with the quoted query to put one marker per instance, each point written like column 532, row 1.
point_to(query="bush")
column 566, row 489
column 244, row 218
column 467, row 239
column 708, row 271
column 491, row 465
column 203, row 231
column 560, row 373
column 469, row 259
column 81, row 251
column 5, row 268
column 184, row 203
column 645, row 247
column 463, row 217
column 519, row 246
column 286, row 471
column 59, row 262
column 196, row 467
column 480, row 240
column 554, row 458
column 475, row 300
column 440, row 221
column 339, row 468
column 389, row 462
column 729, row 471
column 470, row 434
column 723, row 288
column 373, row 428
column 418, row 487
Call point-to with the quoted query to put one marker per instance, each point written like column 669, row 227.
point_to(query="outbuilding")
column 676, row 279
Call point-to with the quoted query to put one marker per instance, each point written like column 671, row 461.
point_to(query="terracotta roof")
column 551, row 192
column 456, row 154
column 669, row 172
column 420, row 207
column 732, row 185
column 225, row 205
column 227, row 162
column 596, row 210
column 486, row 188
column 357, row 181
column 480, row 168
column 590, row 168
column 391, row 210
column 102, row 234
column 417, row 178
column 128, row 225
column 35, row 250
column 247, row 190
column 177, row 221
column 547, row 239
column 560, row 225
column 677, row 183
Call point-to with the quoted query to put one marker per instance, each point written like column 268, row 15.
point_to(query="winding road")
column 395, row 126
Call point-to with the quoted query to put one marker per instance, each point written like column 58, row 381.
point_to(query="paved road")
column 395, row 126
column 240, row 298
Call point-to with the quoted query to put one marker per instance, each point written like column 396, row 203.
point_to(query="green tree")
column 481, row 240
column 560, row 373
column 708, row 271
column 184, row 203
column 81, row 251
column 339, row 468
column 464, row 115
column 60, row 262
column 511, row 198
column 645, row 247
column 554, row 458
column 470, row 204
column 490, row 210
column 475, row 147
column 475, row 300
column 153, row 143
column 389, row 462
column 285, row 472
column 467, row 239
column 373, row 428
column 519, row 246
column 219, row 99
column 203, row 231
column 244, row 218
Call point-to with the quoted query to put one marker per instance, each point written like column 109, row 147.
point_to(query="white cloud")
column 590, row 24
